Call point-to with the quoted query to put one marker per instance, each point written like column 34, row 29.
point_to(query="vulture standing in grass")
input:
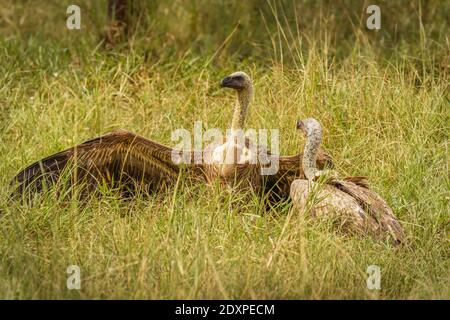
column 349, row 202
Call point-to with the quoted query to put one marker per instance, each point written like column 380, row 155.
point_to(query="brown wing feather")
column 359, row 181
column 377, row 208
column 120, row 157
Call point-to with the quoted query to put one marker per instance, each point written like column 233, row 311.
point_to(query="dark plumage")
column 119, row 159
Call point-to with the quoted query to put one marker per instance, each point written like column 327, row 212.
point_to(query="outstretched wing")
column 119, row 157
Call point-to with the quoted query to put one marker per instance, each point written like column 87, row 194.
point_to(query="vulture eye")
column 239, row 78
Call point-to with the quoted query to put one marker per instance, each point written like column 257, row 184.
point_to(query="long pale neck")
column 244, row 97
column 313, row 140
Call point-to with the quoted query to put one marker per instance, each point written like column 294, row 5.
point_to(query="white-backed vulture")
column 349, row 202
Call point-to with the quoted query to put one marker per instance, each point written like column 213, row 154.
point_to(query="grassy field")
column 382, row 98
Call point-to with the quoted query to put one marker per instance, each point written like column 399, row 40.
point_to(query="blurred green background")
column 256, row 30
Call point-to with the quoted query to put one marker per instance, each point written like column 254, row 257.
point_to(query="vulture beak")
column 299, row 124
column 226, row 82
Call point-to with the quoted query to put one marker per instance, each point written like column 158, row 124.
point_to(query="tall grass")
column 382, row 99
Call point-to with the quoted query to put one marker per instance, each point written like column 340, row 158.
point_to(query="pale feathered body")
column 354, row 208
column 235, row 164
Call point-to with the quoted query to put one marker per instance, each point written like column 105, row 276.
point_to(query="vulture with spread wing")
column 125, row 160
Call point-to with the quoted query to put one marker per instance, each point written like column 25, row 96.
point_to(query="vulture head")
column 238, row 80
column 309, row 127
